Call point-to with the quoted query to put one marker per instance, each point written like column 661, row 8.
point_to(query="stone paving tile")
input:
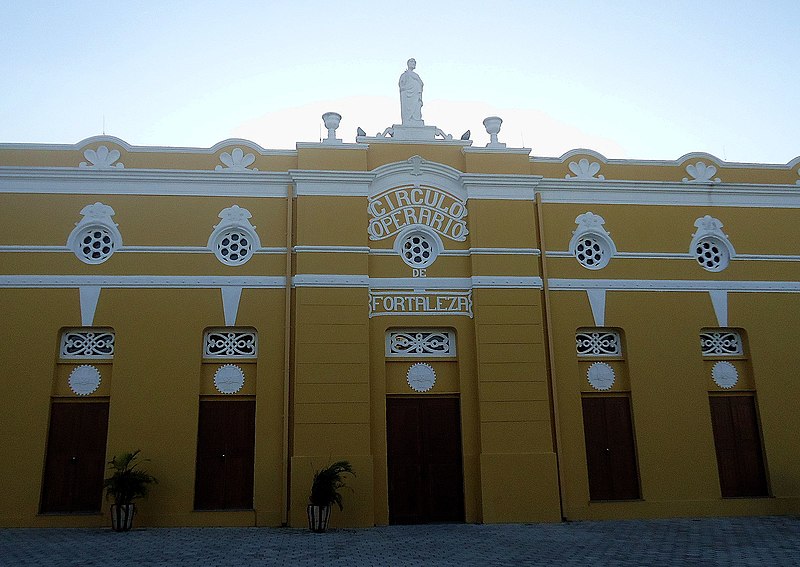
column 767, row 541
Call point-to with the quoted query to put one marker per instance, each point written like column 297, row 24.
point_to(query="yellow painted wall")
column 521, row 419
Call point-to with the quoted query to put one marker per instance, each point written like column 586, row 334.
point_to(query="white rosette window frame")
column 234, row 240
column 591, row 244
column 418, row 246
column 710, row 247
column 96, row 236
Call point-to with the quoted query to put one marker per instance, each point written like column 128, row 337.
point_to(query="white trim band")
column 559, row 284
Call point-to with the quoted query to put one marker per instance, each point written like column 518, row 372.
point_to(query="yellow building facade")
column 485, row 335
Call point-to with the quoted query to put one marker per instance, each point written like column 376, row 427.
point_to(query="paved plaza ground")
column 764, row 541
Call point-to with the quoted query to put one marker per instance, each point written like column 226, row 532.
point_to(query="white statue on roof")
column 411, row 96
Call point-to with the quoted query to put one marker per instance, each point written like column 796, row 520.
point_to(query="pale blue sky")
column 627, row 78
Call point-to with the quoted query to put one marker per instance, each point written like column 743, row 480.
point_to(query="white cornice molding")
column 324, row 146
column 105, row 281
column 331, row 183
column 143, row 182
column 369, row 140
column 563, row 284
column 624, row 192
column 148, row 149
column 664, row 163
column 484, row 150
column 513, row 187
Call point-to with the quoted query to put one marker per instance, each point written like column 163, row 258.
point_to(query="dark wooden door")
column 76, row 457
column 610, row 449
column 426, row 482
column 225, row 450
column 737, row 439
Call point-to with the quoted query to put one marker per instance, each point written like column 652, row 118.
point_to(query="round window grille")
column 234, row 247
column 95, row 244
column 592, row 252
column 418, row 250
column 711, row 254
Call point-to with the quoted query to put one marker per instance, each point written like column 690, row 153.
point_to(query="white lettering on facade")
column 420, row 303
column 393, row 210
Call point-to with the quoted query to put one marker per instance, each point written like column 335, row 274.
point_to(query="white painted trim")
column 148, row 149
column 563, row 284
column 105, row 281
column 341, row 249
column 22, row 248
column 719, row 299
column 331, row 183
column 330, row 280
column 597, row 301
column 487, row 150
column 89, row 296
column 623, row 192
column 668, row 163
column 329, row 146
column 520, row 251
column 59, row 180
column 467, row 252
column 684, row 256
column 475, row 282
column 506, row 282
column 136, row 249
column 231, row 295
column 508, row 187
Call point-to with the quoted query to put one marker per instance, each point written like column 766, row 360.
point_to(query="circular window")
column 711, row 254
column 233, row 247
column 95, row 244
column 591, row 252
column 418, row 250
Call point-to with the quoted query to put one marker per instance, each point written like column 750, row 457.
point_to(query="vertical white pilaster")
column 597, row 301
column 89, row 297
column 230, row 303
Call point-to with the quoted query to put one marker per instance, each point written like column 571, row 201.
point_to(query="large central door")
column 225, row 447
column 426, row 482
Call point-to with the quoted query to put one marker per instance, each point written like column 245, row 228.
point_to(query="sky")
column 628, row 79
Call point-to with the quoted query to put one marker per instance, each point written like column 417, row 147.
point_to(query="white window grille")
column 230, row 343
column 94, row 344
column 711, row 254
column 420, row 342
column 721, row 342
column 418, row 246
column 233, row 247
column 598, row 343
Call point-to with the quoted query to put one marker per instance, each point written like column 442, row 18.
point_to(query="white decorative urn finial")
column 492, row 124
column 331, row 121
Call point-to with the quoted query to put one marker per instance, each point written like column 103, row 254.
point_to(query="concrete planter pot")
column 122, row 517
column 318, row 517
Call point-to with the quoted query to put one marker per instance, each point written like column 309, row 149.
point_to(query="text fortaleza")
column 420, row 303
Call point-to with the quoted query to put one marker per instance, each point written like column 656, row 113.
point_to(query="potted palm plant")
column 126, row 484
column 325, row 492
